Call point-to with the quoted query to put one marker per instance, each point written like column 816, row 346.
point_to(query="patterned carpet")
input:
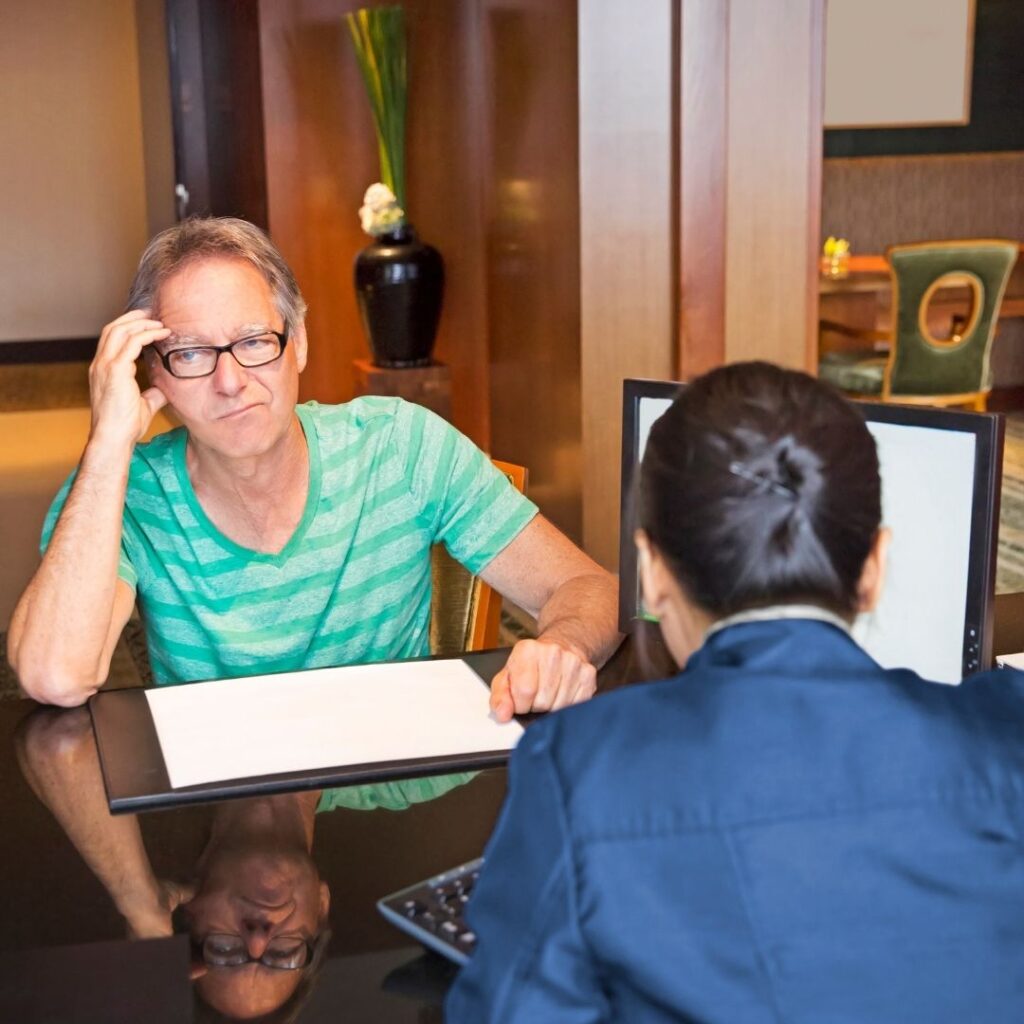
column 1010, row 571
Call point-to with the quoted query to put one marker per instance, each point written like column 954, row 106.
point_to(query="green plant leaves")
column 378, row 37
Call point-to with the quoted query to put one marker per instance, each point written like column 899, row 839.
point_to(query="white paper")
column 324, row 718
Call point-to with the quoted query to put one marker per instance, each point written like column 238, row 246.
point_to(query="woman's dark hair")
column 760, row 486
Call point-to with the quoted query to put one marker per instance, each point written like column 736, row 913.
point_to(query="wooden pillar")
column 627, row 249
column 700, row 192
column 773, row 192
column 750, row 155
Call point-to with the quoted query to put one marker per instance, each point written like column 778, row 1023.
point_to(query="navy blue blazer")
column 783, row 832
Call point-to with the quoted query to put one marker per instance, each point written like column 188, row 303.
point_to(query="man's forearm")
column 59, row 630
column 58, row 757
column 582, row 614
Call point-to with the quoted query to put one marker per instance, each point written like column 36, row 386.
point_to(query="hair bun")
column 784, row 468
column 797, row 469
column 764, row 481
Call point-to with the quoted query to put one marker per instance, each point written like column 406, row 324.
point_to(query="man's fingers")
column 542, row 676
column 502, row 706
column 128, row 342
column 558, row 675
column 125, row 331
column 524, row 682
column 584, row 684
column 130, row 317
column 156, row 400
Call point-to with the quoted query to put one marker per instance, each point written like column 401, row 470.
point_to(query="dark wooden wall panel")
column 446, row 182
column 532, row 258
column 492, row 177
column 322, row 154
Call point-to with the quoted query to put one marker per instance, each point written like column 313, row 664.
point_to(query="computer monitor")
column 941, row 475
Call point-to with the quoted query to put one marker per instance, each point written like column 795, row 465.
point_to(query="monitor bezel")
column 989, row 433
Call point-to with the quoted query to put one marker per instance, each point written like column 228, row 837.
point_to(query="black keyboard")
column 432, row 912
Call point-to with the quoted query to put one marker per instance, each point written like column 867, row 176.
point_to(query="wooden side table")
column 429, row 386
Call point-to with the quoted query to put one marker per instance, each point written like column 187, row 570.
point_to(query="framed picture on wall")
column 898, row 63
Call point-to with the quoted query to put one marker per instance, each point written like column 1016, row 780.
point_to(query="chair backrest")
column 465, row 613
column 921, row 364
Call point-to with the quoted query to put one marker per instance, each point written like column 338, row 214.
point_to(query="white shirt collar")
column 779, row 611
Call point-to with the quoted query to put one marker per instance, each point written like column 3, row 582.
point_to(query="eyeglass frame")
column 200, row 948
column 165, row 357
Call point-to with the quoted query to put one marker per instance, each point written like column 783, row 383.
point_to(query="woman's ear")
column 683, row 623
column 872, row 577
column 648, row 566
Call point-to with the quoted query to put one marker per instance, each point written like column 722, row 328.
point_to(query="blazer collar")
column 788, row 645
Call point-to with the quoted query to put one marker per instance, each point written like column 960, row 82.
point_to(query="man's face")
column 260, row 896
column 238, row 412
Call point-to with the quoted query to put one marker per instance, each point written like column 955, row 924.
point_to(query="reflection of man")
column 265, row 536
column 258, row 918
column 257, row 911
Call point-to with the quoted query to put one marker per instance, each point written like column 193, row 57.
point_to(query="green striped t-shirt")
column 387, row 479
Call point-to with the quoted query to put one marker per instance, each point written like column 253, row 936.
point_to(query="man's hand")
column 541, row 675
column 121, row 412
column 147, row 915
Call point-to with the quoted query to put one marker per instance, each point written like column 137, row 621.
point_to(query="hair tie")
column 762, row 479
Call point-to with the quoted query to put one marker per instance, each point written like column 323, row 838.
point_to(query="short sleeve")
column 397, row 795
column 465, row 501
column 125, row 569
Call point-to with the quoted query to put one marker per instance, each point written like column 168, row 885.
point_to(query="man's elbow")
column 50, row 684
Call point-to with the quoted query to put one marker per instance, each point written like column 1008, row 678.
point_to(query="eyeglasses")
column 283, row 953
column 201, row 361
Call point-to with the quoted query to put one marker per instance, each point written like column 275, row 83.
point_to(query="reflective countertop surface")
column 103, row 918
column 304, row 867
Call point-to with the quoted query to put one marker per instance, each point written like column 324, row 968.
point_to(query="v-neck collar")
column 308, row 514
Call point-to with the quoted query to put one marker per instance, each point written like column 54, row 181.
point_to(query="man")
column 267, row 536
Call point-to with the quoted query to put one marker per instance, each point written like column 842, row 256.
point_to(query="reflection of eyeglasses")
column 201, row 360
column 283, row 953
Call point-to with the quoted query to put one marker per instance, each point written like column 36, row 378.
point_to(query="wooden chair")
column 465, row 613
column 921, row 369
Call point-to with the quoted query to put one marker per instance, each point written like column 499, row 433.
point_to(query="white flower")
column 380, row 212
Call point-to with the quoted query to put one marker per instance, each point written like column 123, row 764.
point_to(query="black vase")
column 400, row 285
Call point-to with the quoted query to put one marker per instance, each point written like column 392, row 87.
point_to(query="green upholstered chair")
column 465, row 613
column 921, row 369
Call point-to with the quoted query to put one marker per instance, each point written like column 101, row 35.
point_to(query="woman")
column 785, row 831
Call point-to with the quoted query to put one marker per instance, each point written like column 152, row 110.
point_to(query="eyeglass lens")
column 286, row 953
column 200, row 362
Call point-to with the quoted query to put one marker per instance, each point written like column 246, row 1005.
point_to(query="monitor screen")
column 941, row 473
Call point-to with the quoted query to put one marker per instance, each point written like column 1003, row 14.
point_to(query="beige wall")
column 73, row 198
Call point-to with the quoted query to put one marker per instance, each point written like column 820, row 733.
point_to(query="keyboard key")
column 428, row 920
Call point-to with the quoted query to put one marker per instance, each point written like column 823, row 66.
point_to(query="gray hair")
column 199, row 238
